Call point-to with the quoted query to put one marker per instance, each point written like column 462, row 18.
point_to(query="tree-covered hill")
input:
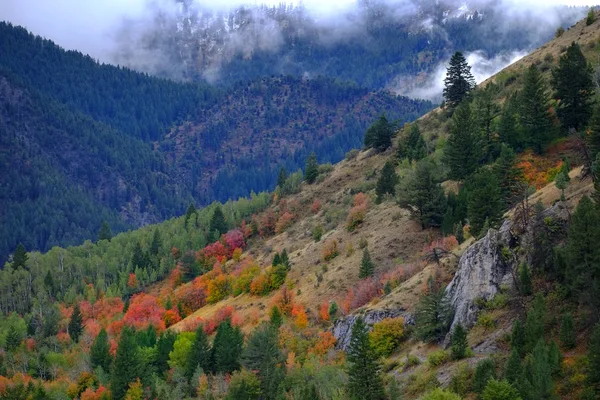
column 83, row 142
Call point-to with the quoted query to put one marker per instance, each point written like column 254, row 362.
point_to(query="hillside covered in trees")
column 84, row 143
column 453, row 257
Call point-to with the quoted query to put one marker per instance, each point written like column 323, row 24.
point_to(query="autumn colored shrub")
column 132, row 282
column 243, row 282
column 215, row 251
column 285, row 221
column 284, row 299
column 218, row 288
column 145, row 310
column 171, row 317
column 537, row 170
column 365, row 291
column 301, row 319
column 192, row 296
column 324, row 312
column 261, row 285
column 222, row 314
column 325, row 343
column 267, row 223
column 387, row 335
column 330, row 250
column 316, row 206
column 234, row 239
column 237, row 254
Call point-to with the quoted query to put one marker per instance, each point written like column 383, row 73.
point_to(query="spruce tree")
column 105, row 233
column 459, row 81
column 199, row 355
column 554, row 357
column 20, row 257
column 164, row 346
column 512, row 371
column 367, row 268
column 567, row 332
column 100, row 352
column 364, row 380
column 517, row 337
column 76, row 324
column 386, row 184
column 262, row 354
column 379, row 135
column 423, row 196
column 485, row 201
column 282, row 177
column 525, row 280
column 433, row 314
column 285, row 259
column 508, row 175
column 415, row 144
column 593, row 138
column 508, row 130
column 593, row 368
column 191, row 210
column 538, row 373
column 217, row 221
column 127, row 365
column 534, row 114
column 275, row 317
column 535, row 322
column 484, row 372
column 459, row 342
column 311, row 171
column 462, row 152
column 485, row 111
column 137, row 257
column 13, row 339
column 156, row 243
column 227, row 348
column 574, row 88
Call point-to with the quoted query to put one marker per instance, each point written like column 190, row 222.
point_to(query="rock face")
column 482, row 270
column 342, row 329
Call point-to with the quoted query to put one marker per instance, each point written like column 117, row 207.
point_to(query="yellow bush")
column 387, row 335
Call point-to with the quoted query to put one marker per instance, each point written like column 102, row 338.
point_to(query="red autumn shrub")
column 234, row 240
column 284, row 299
column 145, row 310
column 284, row 222
column 316, row 206
column 267, row 223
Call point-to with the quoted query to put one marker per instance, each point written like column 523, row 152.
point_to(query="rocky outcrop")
column 482, row 270
column 342, row 328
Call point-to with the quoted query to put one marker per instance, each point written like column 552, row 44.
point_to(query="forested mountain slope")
column 137, row 149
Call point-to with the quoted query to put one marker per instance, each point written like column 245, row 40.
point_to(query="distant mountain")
column 82, row 142
column 371, row 44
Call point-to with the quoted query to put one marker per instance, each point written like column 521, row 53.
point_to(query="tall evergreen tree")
column 459, row 80
column 364, row 380
column 164, row 346
column 217, row 221
column 434, row 314
column 379, row 135
column 593, row 369
column 535, row 323
column 191, row 210
column 423, row 196
column 20, row 257
column 517, row 337
column 512, row 371
column 525, row 280
column 156, row 243
column 199, row 355
column 508, row 175
column 534, row 114
column 282, row 177
column 485, row 202
column 76, row 324
column 275, row 317
column 100, row 352
column 386, row 184
column 127, row 365
column 367, row 268
column 105, row 233
column 593, row 138
column 13, row 339
column 508, row 130
column 538, row 373
column 227, row 348
column 262, row 354
column 311, row 172
column 574, row 88
column 459, row 342
column 463, row 148
column 137, row 257
column 567, row 332
column 485, row 110
column 415, row 148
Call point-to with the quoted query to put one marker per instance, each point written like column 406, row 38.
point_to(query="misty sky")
column 87, row 25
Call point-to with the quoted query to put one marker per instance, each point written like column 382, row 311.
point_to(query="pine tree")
column 76, row 324
column 156, row 243
column 137, row 257
column 512, row 371
column 386, row 184
column 262, row 354
column 217, row 221
column 434, row 314
column 364, row 380
column 485, row 110
column 591, row 17
column 561, row 183
column 275, row 317
column 535, row 323
column 100, row 352
column 459, row 342
column 416, row 148
column 20, row 257
column 463, row 150
column 379, row 135
column 127, row 365
column 508, row 130
column 593, row 368
column 567, row 332
column 191, row 210
column 459, row 81
column 554, row 357
column 13, row 339
column 534, row 114
column 199, row 355
column 164, row 346
column 282, row 177
column 509, row 176
column 285, row 259
column 525, row 280
column 367, row 268
column 484, row 372
column 574, row 88
column 311, row 172
column 485, row 202
column 517, row 337
column 538, row 373
column 593, row 137
column 423, row 196
column 227, row 348
column 105, row 233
